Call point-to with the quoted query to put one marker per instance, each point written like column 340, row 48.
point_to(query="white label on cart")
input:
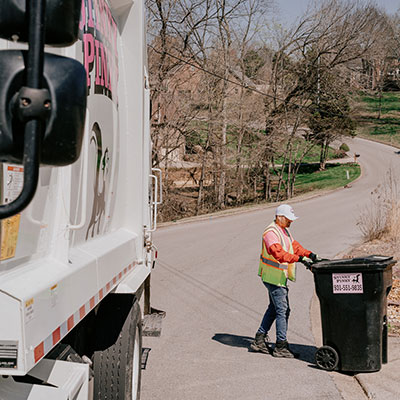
column 347, row 283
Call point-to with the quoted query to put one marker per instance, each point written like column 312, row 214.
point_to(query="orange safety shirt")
column 274, row 247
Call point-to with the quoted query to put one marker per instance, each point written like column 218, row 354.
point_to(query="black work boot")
column 282, row 350
column 260, row 344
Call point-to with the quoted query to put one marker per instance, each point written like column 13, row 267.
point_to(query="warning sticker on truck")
column 347, row 283
column 8, row 354
column 29, row 310
column 13, row 176
column 14, row 179
column 9, row 236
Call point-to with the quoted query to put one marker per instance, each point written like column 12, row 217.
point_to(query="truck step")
column 152, row 323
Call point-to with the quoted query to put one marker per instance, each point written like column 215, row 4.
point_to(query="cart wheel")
column 327, row 358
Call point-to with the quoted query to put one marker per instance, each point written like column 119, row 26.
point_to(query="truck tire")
column 117, row 367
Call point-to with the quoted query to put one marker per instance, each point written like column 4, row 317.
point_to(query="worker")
column 277, row 264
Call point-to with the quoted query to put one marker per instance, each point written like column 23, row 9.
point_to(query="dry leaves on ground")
column 393, row 313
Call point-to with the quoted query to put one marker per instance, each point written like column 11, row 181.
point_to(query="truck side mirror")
column 61, row 21
column 64, row 108
column 42, row 96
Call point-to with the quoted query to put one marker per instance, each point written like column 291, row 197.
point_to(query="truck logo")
column 99, row 187
column 98, row 32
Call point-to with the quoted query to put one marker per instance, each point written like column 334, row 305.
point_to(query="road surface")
column 206, row 281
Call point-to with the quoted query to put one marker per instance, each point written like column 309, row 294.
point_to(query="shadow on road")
column 233, row 340
column 305, row 352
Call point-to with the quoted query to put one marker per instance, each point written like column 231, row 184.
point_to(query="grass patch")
column 390, row 102
column 310, row 178
column 197, row 136
column 313, row 156
column 181, row 201
column 386, row 128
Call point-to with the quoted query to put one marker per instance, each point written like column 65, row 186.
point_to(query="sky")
column 292, row 9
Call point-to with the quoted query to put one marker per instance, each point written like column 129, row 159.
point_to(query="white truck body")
column 84, row 234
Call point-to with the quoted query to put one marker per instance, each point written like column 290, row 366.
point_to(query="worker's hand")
column 315, row 257
column 306, row 261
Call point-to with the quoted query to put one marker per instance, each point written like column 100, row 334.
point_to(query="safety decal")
column 8, row 354
column 29, row 310
column 46, row 345
column 9, row 236
column 13, row 177
column 351, row 283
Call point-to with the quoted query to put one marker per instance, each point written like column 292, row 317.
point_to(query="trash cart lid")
column 368, row 263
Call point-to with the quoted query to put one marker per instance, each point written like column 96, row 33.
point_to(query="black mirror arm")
column 32, row 142
column 34, row 126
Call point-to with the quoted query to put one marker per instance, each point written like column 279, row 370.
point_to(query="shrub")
column 381, row 218
column 339, row 154
column 344, row 147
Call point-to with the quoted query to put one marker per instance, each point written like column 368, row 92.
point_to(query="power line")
column 216, row 75
column 299, row 106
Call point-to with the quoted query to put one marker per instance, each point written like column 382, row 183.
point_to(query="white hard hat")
column 286, row 211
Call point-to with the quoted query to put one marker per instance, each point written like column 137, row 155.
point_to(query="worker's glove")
column 306, row 261
column 315, row 257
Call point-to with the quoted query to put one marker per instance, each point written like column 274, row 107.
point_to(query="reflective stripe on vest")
column 273, row 263
column 270, row 270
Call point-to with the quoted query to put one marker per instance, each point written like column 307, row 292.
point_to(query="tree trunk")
column 280, row 181
column 200, row 195
column 323, row 153
column 293, row 181
column 380, row 103
column 239, row 172
column 202, row 174
column 267, row 181
column 222, row 176
column 289, row 173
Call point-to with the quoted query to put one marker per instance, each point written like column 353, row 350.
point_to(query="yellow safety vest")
column 271, row 270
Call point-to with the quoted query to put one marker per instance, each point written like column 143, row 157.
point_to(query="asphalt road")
column 206, row 280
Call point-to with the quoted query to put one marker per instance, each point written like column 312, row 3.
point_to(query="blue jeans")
column 278, row 310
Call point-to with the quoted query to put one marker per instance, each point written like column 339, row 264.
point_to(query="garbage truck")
column 78, row 198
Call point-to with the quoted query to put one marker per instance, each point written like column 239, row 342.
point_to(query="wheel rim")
column 327, row 358
column 136, row 366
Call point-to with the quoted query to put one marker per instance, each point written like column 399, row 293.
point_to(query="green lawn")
column 389, row 103
column 386, row 128
column 312, row 156
column 198, row 136
column 334, row 176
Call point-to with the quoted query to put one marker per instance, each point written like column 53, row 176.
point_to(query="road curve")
column 206, row 280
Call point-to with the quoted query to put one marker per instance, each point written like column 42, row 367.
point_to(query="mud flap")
column 152, row 323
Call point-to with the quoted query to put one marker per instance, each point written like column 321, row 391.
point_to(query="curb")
column 397, row 146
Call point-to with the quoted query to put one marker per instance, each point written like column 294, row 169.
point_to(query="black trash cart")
column 353, row 300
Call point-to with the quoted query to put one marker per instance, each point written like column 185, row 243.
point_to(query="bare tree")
column 247, row 110
column 330, row 36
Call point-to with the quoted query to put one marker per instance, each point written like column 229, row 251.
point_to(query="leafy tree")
column 329, row 114
column 254, row 60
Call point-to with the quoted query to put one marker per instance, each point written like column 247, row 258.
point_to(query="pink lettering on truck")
column 98, row 32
